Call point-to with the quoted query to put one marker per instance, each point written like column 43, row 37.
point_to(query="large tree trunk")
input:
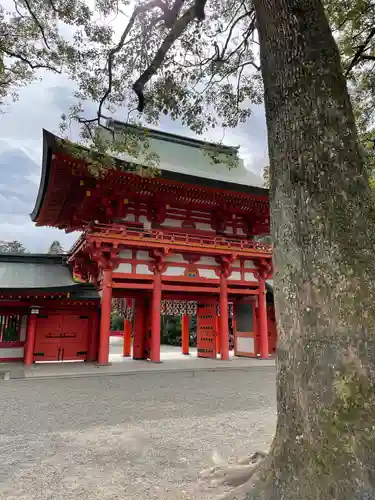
column 323, row 231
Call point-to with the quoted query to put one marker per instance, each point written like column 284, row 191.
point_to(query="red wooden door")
column 74, row 338
column 206, row 330
column 48, row 338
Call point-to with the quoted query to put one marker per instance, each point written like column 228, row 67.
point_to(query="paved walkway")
column 171, row 360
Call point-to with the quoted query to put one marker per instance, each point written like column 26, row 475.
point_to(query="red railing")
column 166, row 236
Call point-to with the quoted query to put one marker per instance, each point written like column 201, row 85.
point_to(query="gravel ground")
column 129, row 437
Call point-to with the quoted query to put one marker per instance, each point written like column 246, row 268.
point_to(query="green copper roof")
column 40, row 272
column 187, row 156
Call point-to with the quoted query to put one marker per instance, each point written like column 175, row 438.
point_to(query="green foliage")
column 117, row 322
column 12, row 247
column 164, row 58
column 171, row 330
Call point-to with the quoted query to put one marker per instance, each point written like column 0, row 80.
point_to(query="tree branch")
column 111, row 55
column 28, row 62
column 360, row 50
column 37, row 22
column 239, row 18
column 367, row 57
column 196, row 11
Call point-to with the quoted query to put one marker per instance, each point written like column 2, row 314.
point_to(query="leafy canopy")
column 194, row 60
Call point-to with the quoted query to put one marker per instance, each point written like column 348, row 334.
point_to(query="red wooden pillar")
column 185, row 334
column 127, row 331
column 139, row 329
column 30, row 336
column 155, row 318
column 224, row 320
column 127, row 338
column 262, row 319
column 218, row 334
column 93, row 338
column 105, row 320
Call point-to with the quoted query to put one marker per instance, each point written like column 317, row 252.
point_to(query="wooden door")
column 74, row 338
column 48, row 338
column 206, row 330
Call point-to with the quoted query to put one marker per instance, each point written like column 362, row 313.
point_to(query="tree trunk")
column 323, row 221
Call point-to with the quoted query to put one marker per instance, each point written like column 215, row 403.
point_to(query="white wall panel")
column 250, row 277
column 142, row 255
column 174, row 271
column 249, row 264
column 11, row 352
column 236, row 275
column 143, row 269
column 207, row 261
column 23, row 328
column 245, row 345
column 208, row 273
column 176, row 257
column 172, row 223
column 203, row 227
column 125, row 254
column 124, row 268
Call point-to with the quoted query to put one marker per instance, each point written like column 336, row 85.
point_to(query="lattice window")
column 230, row 309
column 10, row 326
column 178, row 308
column 123, row 307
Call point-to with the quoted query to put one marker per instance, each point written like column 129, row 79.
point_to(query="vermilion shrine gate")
column 182, row 242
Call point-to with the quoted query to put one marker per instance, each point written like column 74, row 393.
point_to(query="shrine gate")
column 187, row 236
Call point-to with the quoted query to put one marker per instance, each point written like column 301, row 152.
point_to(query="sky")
column 40, row 105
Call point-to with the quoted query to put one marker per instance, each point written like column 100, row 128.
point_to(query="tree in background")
column 117, row 322
column 12, row 247
column 197, row 60
column 55, row 248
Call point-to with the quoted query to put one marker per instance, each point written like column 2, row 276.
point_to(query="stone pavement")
column 171, row 360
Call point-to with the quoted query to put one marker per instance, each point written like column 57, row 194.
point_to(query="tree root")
column 238, row 475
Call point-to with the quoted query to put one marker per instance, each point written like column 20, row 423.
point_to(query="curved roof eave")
column 50, row 146
column 49, row 143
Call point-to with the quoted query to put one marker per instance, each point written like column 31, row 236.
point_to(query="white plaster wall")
column 174, row 271
column 250, row 277
column 249, row 264
column 23, row 328
column 142, row 269
column 236, row 275
column 172, row 223
column 229, row 230
column 175, row 258
column 208, row 273
column 240, row 231
column 129, row 218
column 142, row 219
column 199, row 213
column 142, row 255
column 125, row 254
column 237, row 263
column 11, row 352
column 124, row 268
column 203, row 227
column 245, row 345
column 207, row 261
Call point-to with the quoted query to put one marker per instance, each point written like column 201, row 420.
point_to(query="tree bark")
column 323, row 226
